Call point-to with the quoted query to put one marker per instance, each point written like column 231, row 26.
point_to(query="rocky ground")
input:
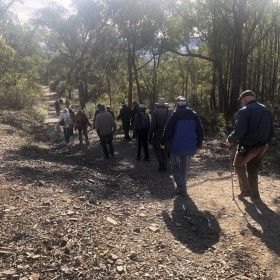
column 68, row 213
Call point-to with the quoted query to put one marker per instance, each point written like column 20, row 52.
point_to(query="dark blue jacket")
column 253, row 126
column 183, row 133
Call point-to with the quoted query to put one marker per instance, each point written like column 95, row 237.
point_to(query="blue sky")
column 25, row 9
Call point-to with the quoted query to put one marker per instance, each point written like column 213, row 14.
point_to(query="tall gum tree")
column 226, row 28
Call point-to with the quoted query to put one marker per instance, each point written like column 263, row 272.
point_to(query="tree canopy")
column 115, row 50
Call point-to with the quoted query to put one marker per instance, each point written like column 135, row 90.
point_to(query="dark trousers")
column 107, row 141
column 161, row 155
column 142, row 139
column 66, row 131
column 126, row 127
column 83, row 131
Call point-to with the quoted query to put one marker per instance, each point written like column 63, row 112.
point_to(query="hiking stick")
column 231, row 170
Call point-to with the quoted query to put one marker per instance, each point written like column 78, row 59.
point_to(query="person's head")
column 246, row 96
column 123, row 103
column 181, row 102
column 142, row 107
column 135, row 104
column 161, row 103
column 98, row 105
column 101, row 108
column 65, row 110
column 108, row 108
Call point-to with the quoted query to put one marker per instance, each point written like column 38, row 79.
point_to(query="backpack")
column 144, row 120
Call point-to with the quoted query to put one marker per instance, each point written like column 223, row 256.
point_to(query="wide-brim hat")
column 161, row 102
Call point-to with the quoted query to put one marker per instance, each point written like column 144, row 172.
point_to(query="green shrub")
column 90, row 109
column 213, row 123
column 37, row 113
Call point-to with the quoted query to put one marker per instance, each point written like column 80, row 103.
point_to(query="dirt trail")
column 85, row 217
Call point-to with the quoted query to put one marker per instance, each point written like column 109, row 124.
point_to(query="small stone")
column 9, row 272
column 70, row 213
column 79, row 261
column 120, row 269
column 137, row 230
column 153, row 229
column 112, row 221
column 114, row 257
column 34, row 277
column 92, row 200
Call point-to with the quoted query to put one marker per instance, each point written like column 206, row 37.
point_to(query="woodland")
column 66, row 212
column 120, row 50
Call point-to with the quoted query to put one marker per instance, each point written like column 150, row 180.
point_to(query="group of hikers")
column 176, row 136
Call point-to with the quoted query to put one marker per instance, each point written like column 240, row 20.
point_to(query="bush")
column 23, row 94
column 90, row 109
column 213, row 123
column 37, row 113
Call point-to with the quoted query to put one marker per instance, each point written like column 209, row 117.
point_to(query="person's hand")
column 162, row 147
column 228, row 143
column 151, row 141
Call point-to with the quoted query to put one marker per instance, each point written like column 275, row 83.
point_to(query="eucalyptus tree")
column 72, row 37
column 223, row 33
column 137, row 24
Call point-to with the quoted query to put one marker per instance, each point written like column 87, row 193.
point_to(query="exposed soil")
column 68, row 213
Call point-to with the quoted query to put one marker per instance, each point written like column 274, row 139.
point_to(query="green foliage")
column 22, row 94
column 90, row 109
column 61, row 88
column 213, row 122
column 37, row 113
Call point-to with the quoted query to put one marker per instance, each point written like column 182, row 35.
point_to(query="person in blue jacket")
column 183, row 137
column 252, row 131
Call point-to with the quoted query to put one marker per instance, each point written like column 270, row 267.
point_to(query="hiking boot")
column 113, row 155
column 184, row 194
column 138, row 158
column 244, row 194
column 255, row 195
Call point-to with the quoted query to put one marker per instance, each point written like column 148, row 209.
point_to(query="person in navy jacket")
column 183, row 137
column 252, row 131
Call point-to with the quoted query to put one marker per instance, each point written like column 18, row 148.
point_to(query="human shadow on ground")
column 198, row 230
column 269, row 222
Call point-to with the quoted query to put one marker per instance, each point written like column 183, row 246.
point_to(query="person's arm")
column 169, row 130
column 240, row 127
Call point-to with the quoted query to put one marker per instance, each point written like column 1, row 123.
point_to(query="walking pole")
column 231, row 169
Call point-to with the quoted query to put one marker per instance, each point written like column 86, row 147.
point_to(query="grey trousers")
column 180, row 166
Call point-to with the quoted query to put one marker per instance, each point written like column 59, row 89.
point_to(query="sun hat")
column 245, row 93
column 161, row 102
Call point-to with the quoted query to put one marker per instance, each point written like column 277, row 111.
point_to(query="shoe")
column 112, row 155
column 146, row 159
column 255, row 196
column 184, row 194
column 107, row 156
column 244, row 194
column 138, row 158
